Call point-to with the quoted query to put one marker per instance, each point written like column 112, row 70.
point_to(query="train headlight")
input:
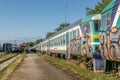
column 114, row 29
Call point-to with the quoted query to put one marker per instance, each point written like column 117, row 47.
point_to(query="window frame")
column 99, row 26
column 84, row 25
column 107, row 17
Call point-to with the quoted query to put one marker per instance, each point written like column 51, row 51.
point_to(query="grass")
column 76, row 69
column 8, row 70
column 5, row 56
column 2, row 53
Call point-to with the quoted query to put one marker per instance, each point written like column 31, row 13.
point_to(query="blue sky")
column 31, row 19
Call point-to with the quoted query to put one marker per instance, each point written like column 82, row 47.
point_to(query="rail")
column 1, row 61
column 4, row 63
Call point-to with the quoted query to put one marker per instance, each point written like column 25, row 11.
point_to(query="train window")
column 74, row 33
column 86, row 27
column 71, row 35
column 97, row 25
column 56, row 41
column 106, row 20
column 63, row 39
column 78, row 32
column 59, row 41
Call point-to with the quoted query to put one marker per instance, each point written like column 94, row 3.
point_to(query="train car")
column 59, row 43
column 87, row 43
column 88, row 40
column 44, row 47
column 7, row 47
column 80, row 38
column 15, row 48
column 110, row 35
column 1, row 48
column 36, row 48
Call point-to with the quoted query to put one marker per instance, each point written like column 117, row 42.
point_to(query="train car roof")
column 91, row 17
column 110, row 5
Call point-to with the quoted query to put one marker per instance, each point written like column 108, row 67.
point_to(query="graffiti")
column 75, row 46
column 109, row 45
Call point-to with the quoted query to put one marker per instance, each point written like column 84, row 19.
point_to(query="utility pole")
column 66, row 6
column 15, row 42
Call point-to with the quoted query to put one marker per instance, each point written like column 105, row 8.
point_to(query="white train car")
column 44, row 46
column 60, row 42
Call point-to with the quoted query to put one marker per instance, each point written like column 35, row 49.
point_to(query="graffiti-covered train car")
column 110, row 34
column 87, row 43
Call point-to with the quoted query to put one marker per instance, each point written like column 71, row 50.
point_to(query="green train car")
column 110, row 35
column 87, row 43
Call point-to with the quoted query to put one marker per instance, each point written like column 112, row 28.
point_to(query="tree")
column 98, row 7
column 62, row 25
column 41, row 39
column 38, row 41
column 30, row 44
column 49, row 34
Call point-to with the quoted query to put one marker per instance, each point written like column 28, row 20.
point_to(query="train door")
column 85, row 35
column 68, row 45
column 48, row 47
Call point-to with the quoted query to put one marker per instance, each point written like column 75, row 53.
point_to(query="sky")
column 28, row 20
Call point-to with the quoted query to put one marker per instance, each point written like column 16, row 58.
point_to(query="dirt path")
column 36, row 68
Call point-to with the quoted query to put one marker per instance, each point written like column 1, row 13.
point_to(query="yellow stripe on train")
column 94, row 36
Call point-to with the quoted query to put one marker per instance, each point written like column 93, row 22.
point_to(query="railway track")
column 5, row 62
column 1, row 61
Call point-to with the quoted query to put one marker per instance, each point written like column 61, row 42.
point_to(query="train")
column 110, row 34
column 9, row 47
column 95, row 37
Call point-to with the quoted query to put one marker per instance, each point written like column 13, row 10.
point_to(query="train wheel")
column 89, row 65
column 118, row 72
column 78, row 60
column 83, row 63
